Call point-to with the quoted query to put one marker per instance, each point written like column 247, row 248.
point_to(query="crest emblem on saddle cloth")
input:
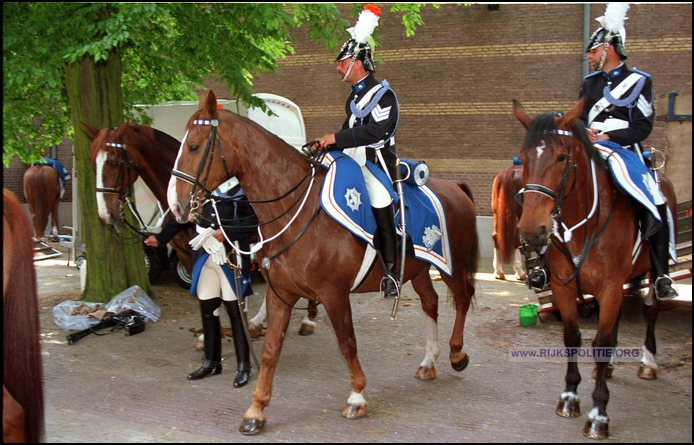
column 432, row 235
column 353, row 199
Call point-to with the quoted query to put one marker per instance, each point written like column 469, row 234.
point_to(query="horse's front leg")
column 339, row 311
column 565, row 300
column 277, row 322
column 521, row 275
column 429, row 298
column 597, row 425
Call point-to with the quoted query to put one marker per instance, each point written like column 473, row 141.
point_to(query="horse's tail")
column 473, row 260
column 505, row 211
column 22, row 367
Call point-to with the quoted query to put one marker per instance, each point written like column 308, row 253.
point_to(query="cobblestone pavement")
column 115, row 388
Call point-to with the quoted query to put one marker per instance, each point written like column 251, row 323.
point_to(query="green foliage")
column 166, row 49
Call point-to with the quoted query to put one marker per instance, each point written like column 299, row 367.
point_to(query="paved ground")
column 114, row 388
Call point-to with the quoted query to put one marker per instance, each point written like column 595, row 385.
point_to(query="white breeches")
column 212, row 280
column 378, row 194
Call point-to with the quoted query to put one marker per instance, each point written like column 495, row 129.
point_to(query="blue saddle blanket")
column 344, row 197
column 637, row 180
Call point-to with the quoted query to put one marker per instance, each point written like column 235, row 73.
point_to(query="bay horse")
column 567, row 186
column 123, row 154
column 22, row 384
column 42, row 192
column 304, row 252
column 505, row 214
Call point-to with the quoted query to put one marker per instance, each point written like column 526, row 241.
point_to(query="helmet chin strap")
column 351, row 63
column 603, row 56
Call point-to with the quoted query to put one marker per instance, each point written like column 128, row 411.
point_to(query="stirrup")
column 670, row 282
column 389, row 287
column 538, row 279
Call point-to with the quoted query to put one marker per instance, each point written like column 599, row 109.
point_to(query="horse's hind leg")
column 308, row 325
column 422, row 284
column 649, row 368
column 54, row 218
column 463, row 290
column 278, row 320
column 255, row 324
column 498, row 266
column 521, row 275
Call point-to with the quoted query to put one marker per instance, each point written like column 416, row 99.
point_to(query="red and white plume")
column 366, row 23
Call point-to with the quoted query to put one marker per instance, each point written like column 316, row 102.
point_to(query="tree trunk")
column 115, row 260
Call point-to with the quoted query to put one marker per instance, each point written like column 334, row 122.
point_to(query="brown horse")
column 559, row 164
column 505, row 213
column 42, row 192
column 308, row 254
column 22, row 370
column 121, row 155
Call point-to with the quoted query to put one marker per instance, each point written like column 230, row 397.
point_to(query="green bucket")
column 528, row 314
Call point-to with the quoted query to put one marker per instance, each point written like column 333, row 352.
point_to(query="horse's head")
column 202, row 165
column 115, row 171
column 549, row 154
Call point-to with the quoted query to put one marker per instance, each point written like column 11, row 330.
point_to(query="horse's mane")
column 22, row 368
column 150, row 136
column 543, row 126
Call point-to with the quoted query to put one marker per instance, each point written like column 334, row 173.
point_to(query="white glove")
column 215, row 249
column 197, row 242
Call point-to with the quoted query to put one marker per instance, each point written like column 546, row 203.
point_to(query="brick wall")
column 456, row 77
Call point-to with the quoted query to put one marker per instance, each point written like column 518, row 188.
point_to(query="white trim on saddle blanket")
column 345, row 199
column 632, row 176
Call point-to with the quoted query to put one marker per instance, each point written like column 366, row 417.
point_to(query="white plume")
column 615, row 15
column 366, row 23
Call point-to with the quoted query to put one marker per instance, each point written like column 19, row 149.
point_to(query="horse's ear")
column 574, row 114
column 120, row 131
column 521, row 114
column 211, row 104
column 92, row 131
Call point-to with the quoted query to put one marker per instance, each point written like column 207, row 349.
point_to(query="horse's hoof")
column 255, row 330
column 251, row 427
column 596, row 429
column 306, row 329
column 499, row 276
column 608, row 372
column 426, row 373
column 648, row 372
column 354, row 411
column 521, row 277
column 462, row 364
column 569, row 408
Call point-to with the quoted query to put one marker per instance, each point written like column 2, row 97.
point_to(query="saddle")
column 344, row 197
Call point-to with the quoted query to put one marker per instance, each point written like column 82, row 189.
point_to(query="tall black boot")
column 212, row 330
column 660, row 255
column 385, row 220
column 241, row 345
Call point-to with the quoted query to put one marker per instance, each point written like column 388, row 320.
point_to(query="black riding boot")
column 387, row 240
column 241, row 345
column 660, row 255
column 212, row 331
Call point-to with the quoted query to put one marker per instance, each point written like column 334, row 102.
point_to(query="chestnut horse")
column 505, row 213
column 572, row 189
column 42, row 192
column 305, row 253
column 22, row 370
column 123, row 154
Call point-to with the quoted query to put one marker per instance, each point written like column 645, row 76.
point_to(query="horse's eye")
column 561, row 158
column 113, row 164
column 194, row 147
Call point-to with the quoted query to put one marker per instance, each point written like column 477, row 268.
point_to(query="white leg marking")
column 356, row 399
column 648, row 358
column 260, row 316
column 593, row 415
column 432, row 346
column 570, row 395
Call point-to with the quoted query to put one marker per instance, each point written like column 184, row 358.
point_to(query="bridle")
column 196, row 197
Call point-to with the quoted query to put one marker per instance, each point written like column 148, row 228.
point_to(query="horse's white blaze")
column 594, row 415
column 540, row 149
column 356, row 399
column 171, row 195
column 648, row 358
column 100, row 201
column 432, row 346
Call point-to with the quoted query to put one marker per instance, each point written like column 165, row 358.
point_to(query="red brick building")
column 456, row 77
